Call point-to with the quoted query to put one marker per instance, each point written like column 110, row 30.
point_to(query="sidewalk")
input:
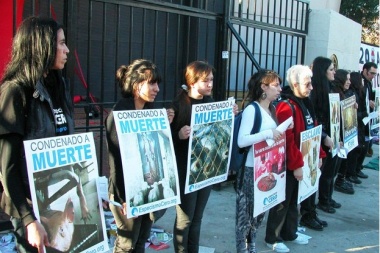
column 353, row 228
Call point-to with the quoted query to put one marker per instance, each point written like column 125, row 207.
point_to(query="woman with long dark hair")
column 35, row 102
column 356, row 157
column 341, row 85
column 323, row 74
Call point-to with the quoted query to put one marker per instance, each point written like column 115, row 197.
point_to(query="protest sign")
column 375, row 119
column 209, row 144
column 334, row 101
column 62, row 174
column 269, row 175
column 310, row 145
column 350, row 123
column 149, row 165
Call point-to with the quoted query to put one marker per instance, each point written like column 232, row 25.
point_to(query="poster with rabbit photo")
column 62, row 174
column 334, row 101
column 148, row 159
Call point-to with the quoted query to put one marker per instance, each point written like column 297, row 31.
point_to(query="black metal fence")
column 237, row 37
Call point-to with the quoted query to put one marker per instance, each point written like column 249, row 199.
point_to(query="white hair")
column 297, row 73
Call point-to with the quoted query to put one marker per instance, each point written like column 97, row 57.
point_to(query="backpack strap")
column 257, row 120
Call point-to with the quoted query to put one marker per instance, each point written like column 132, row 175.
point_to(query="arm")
column 11, row 171
column 294, row 158
column 245, row 138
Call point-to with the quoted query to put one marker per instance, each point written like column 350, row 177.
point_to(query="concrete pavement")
column 353, row 228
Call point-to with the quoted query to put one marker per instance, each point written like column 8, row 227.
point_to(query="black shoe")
column 354, row 179
column 344, row 187
column 335, row 204
column 326, row 208
column 322, row 222
column 308, row 221
column 361, row 174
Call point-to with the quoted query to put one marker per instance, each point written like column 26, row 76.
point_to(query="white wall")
column 325, row 4
column 332, row 33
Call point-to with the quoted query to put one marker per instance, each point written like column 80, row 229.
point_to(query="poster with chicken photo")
column 350, row 123
column 62, row 175
column 148, row 159
column 269, row 175
column 209, row 143
column 334, row 121
column 310, row 147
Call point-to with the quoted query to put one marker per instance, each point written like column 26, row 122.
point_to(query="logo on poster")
column 134, row 211
column 270, row 199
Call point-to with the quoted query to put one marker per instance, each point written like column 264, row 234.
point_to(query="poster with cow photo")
column 62, row 175
column 310, row 149
column 350, row 123
column 269, row 175
column 148, row 159
column 209, row 144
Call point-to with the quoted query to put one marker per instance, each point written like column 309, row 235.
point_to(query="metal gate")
column 104, row 34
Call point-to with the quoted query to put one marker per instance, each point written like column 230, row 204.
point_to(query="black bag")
column 238, row 155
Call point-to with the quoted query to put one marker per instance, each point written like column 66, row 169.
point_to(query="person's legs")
column 19, row 232
column 290, row 226
column 195, row 227
column 326, row 183
column 246, row 224
column 131, row 233
column 361, row 157
column 278, row 216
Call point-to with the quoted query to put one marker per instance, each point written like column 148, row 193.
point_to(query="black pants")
column 187, row 225
column 283, row 218
column 329, row 170
column 308, row 205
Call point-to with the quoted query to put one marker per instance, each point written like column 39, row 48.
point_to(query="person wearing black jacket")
column 323, row 74
column 341, row 85
column 138, row 83
column 35, row 102
column 368, row 73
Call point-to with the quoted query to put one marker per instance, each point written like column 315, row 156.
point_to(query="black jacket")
column 25, row 114
column 116, row 185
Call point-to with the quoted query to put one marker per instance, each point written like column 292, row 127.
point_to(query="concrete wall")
column 332, row 33
column 325, row 4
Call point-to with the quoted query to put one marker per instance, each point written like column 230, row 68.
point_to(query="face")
column 347, row 84
column 303, row 89
column 370, row 74
column 62, row 51
column 273, row 90
column 147, row 91
column 203, row 87
column 330, row 72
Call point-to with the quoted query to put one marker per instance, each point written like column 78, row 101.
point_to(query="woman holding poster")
column 138, row 83
column 264, row 87
column 323, row 73
column 199, row 83
column 35, row 103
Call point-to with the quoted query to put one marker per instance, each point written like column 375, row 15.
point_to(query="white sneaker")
column 302, row 240
column 278, row 247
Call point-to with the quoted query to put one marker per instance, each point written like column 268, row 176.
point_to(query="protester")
column 282, row 221
column 341, row 85
column 35, row 103
column 368, row 73
column 356, row 157
column 263, row 88
column 198, row 89
column 138, row 83
column 323, row 74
